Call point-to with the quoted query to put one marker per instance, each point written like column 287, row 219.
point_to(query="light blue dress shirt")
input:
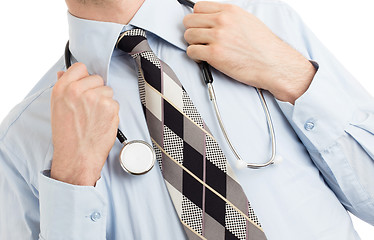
column 326, row 140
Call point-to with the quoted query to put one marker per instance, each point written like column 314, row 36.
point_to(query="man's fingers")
column 78, row 87
column 198, row 20
column 208, row 7
column 198, row 36
column 107, row 91
column 92, row 81
column 76, row 72
column 104, row 91
column 102, row 95
column 198, row 52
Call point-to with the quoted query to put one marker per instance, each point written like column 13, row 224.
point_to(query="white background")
column 34, row 33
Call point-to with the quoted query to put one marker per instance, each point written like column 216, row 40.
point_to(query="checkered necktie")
column 209, row 201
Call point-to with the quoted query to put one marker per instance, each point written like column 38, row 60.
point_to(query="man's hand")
column 84, row 120
column 238, row 44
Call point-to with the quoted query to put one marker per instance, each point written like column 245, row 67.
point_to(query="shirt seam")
column 23, row 110
column 19, row 159
column 22, row 160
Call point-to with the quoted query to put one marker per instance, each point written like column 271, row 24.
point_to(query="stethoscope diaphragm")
column 137, row 157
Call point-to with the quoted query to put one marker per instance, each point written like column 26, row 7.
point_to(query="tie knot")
column 133, row 41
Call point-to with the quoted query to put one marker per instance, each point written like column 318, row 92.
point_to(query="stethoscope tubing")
column 208, row 79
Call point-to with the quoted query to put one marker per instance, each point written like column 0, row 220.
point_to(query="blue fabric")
column 326, row 140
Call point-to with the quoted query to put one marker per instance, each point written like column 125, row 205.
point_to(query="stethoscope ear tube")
column 187, row 3
column 207, row 74
column 67, row 56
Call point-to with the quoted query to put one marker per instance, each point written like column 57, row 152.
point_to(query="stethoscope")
column 138, row 157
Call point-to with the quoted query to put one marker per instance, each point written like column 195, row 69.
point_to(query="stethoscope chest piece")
column 137, row 157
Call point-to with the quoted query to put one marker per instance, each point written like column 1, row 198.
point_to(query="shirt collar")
column 93, row 42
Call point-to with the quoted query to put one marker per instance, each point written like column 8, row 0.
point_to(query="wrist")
column 73, row 173
column 294, row 80
column 81, row 179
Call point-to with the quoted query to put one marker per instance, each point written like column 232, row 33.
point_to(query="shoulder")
column 26, row 130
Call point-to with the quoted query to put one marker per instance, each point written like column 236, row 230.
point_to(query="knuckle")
column 80, row 66
column 229, row 7
column 98, row 79
column 110, row 91
column 217, row 18
column 221, row 18
column 90, row 97
column 112, row 107
column 74, row 90
column 106, row 103
column 214, row 51
column 218, row 34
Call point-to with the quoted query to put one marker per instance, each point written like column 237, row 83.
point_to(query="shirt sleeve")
column 51, row 211
column 334, row 119
column 70, row 211
column 19, row 218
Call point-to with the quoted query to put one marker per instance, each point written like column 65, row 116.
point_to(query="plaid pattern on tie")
column 209, row 201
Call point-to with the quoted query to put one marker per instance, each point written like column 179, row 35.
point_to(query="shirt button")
column 95, row 216
column 309, row 126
